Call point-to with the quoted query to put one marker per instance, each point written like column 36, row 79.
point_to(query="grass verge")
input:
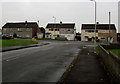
column 9, row 43
column 115, row 51
column 97, row 50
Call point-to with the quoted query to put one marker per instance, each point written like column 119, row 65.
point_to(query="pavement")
column 86, row 69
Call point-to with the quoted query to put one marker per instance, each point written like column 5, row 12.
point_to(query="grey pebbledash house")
column 21, row 29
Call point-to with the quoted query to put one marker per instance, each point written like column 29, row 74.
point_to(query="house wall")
column 53, row 33
column 66, row 31
column 22, row 32
column 87, row 34
column 100, row 34
column 106, row 34
column 35, row 31
column 68, row 36
column 69, row 33
column 40, row 35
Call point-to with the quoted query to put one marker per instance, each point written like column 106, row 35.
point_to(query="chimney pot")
column 97, row 22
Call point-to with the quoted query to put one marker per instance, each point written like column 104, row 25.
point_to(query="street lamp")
column 54, row 19
column 109, row 27
column 95, row 22
column 54, row 24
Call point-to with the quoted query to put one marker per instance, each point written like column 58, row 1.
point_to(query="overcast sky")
column 77, row 11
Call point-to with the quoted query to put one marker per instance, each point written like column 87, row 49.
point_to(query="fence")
column 111, row 62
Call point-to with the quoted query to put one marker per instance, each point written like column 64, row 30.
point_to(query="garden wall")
column 110, row 61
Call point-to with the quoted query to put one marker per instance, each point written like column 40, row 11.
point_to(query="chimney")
column 38, row 23
column 26, row 23
column 60, row 22
column 97, row 22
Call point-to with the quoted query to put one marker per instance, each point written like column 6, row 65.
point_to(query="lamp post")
column 54, row 25
column 95, row 22
column 54, row 20
column 109, row 26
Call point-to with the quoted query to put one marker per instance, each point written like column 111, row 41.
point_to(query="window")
column 102, row 37
column 68, row 29
column 28, row 29
column 103, row 31
column 50, row 29
column 19, row 29
column 86, row 30
column 27, row 35
column 91, row 31
column 56, row 29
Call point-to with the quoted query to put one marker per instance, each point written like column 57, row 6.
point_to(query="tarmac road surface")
column 39, row 64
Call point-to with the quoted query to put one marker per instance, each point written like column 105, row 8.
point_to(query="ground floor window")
column 103, row 38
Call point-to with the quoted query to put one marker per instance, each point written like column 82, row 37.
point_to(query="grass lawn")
column 8, row 43
column 115, row 51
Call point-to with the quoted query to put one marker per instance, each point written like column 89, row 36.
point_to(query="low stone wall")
column 111, row 63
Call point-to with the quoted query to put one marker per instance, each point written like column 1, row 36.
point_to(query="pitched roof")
column 58, row 25
column 99, row 26
column 21, row 25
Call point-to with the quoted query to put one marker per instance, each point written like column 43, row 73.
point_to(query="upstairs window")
column 50, row 29
column 19, row 29
column 91, row 31
column 56, row 29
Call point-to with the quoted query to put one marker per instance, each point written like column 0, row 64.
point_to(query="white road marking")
column 12, row 59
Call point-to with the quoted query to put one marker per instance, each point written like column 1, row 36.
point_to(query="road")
column 39, row 64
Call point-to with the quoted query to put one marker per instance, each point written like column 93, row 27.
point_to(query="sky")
column 77, row 11
column 119, row 17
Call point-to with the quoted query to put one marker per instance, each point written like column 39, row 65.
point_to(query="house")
column 102, row 32
column 78, row 36
column 42, row 33
column 21, row 29
column 55, row 30
column 118, row 37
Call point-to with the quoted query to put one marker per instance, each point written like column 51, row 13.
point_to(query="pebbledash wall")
column 111, row 62
column 22, row 32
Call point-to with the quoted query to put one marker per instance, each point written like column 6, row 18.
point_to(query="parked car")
column 7, row 36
